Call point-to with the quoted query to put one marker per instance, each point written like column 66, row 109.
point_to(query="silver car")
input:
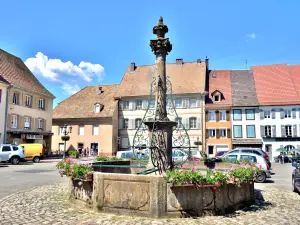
column 11, row 153
column 258, row 160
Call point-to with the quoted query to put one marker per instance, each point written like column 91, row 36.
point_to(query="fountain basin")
column 151, row 196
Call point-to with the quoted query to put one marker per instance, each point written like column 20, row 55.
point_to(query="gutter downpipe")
column 6, row 115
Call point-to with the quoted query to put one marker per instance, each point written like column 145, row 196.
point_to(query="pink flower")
column 171, row 179
column 194, row 169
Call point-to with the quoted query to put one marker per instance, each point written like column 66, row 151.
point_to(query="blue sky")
column 71, row 44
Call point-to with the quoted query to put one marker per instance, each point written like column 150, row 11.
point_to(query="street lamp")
column 65, row 137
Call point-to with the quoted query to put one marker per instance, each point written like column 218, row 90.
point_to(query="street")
column 36, row 194
column 27, row 175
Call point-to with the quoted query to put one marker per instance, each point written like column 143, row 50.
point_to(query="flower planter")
column 88, row 177
column 195, row 185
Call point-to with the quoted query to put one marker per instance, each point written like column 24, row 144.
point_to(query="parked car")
column 219, row 154
column 130, row 154
column 296, row 176
column 11, row 153
column 178, row 155
column 257, row 159
column 194, row 155
column 33, row 152
column 255, row 151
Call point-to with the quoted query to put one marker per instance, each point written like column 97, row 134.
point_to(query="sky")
column 69, row 45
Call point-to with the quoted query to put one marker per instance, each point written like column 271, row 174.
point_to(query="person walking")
column 281, row 157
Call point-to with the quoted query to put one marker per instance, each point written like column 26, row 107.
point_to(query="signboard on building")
column 34, row 136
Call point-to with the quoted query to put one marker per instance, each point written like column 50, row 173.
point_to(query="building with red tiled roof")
column 29, row 115
column 217, row 111
column 278, row 94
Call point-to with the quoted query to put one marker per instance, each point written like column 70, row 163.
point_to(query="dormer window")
column 98, row 107
column 216, row 95
column 217, row 98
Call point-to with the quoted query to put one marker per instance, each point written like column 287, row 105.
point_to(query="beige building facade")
column 188, row 90
column 4, row 88
column 93, row 115
column 30, row 104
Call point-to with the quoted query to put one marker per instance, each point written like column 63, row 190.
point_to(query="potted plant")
column 210, row 163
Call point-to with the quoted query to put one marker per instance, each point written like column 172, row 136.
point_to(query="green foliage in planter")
column 184, row 177
column 73, row 152
column 80, row 170
column 133, row 158
column 106, row 159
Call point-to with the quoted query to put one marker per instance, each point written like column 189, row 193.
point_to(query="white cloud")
column 253, row 35
column 55, row 69
column 70, row 89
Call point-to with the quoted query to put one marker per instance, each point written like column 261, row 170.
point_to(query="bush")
column 73, row 169
column 73, row 153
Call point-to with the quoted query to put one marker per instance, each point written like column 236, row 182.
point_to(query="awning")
column 29, row 132
column 247, row 141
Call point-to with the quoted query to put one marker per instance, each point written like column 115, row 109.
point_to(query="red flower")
column 251, row 182
column 215, row 188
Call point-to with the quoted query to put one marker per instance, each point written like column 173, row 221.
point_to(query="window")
column 248, row 158
column 97, row 108
column 267, row 114
column 6, row 149
column 139, row 104
column 95, row 130
column 250, row 114
column 26, row 122
column 179, row 122
column 193, row 102
column 222, row 115
column 193, row 123
column 222, row 132
column 250, row 131
column 212, row 132
column 81, row 130
column 237, row 114
column 152, row 104
column 61, row 131
column 288, row 113
column 126, row 105
column 211, row 116
column 138, row 123
column 231, row 157
column 237, row 131
column 28, row 100
column 40, row 123
column 288, row 130
column 217, row 98
column 178, row 102
column 126, row 123
column 14, row 121
column 41, row 103
column 15, row 98
column 15, row 148
column 268, row 131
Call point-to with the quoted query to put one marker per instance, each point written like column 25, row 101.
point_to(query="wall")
column 245, row 122
column 276, row 140
column 210, row 141
column 3, row 87
column 32, row 112
column 104, row 137
column 182, row 112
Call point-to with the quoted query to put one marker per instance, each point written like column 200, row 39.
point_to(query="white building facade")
column 280, row 128
column 245, row 122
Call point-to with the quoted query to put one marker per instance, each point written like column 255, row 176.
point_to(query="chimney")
column 179, row 61
column 132, row 67
column 206, row 62
column 100, row 91
column 198, row 60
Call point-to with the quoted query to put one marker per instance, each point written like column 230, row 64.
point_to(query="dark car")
column 296, row 176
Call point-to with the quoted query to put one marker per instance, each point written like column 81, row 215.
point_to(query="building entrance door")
column 210, row 151
column 94, row 149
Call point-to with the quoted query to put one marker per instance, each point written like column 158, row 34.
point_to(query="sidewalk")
column 83, row 159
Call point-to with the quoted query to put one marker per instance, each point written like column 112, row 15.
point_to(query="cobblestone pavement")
column 49, row 205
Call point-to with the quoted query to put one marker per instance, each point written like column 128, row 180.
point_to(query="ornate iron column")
column 161, row 128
